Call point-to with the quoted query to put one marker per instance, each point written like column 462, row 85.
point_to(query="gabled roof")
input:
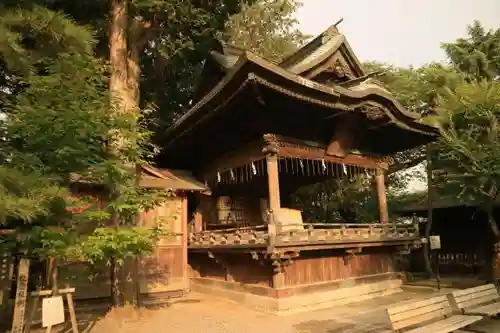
column 328, row 44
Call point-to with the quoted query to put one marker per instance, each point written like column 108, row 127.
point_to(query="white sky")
column 399, row 32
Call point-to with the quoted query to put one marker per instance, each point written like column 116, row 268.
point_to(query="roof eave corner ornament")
column 331, row 31
column 271, row 145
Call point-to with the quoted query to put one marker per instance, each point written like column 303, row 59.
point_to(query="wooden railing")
column 340, row 233
column 455, row 262
column 304, row 234
column 244, row 236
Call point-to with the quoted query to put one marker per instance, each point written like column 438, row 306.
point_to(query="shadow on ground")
column 334, row 326
column 322, row 326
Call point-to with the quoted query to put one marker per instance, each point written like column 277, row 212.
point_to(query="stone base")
column 315, row 300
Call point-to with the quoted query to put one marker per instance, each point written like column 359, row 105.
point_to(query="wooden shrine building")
column 467, row 241
column 257, row 133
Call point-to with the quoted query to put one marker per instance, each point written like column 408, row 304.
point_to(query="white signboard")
column 435, row 242
column 52, row 311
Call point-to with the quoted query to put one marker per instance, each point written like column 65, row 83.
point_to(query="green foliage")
column 468, row 122
column 477, row 56
column 26, row 195
column 29, row 33
column 70, row 99
column 416, row 88
column 266, row 27
column 106, row 244
column 57, row 125
column 340, row 200
column 467, row 155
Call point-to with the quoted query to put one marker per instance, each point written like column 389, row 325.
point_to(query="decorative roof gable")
column 327, row 59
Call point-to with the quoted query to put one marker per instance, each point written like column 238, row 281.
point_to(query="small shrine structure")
column 467, row 242
column 259, row 131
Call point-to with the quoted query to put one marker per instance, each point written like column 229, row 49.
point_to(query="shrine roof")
column 321, row 80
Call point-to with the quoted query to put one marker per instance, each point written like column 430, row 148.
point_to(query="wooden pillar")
column 270, row 150
column 381, row 196
column 184, row 230
column 273, row 182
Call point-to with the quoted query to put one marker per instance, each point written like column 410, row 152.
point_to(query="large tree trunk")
column 118, row 89
column 495, row 259
column 136, row 42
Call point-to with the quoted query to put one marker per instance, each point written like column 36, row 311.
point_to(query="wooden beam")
column 292, row 147
column 234, row 159
column 382, row 196
column 319, row 154
column 343, row 137
column 288, row 147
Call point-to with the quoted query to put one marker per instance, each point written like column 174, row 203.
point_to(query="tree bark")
column 136, row 44
column 118, row 56
column 118, row 90
column 116, row 299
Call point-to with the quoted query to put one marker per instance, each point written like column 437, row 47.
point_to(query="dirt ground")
column 205, row 314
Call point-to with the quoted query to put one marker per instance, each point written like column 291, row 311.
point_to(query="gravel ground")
column 205, row 314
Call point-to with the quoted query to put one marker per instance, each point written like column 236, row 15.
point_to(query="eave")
column 251, row 68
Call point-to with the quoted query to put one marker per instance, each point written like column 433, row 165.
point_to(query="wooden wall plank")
column 312, row 270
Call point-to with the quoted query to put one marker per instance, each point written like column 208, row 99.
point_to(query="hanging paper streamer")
column 366, row 173
column 301, row 164
column 323, row 164
column 254, row 169
column 344, row 168
column 232, row 174
column 218, row 177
